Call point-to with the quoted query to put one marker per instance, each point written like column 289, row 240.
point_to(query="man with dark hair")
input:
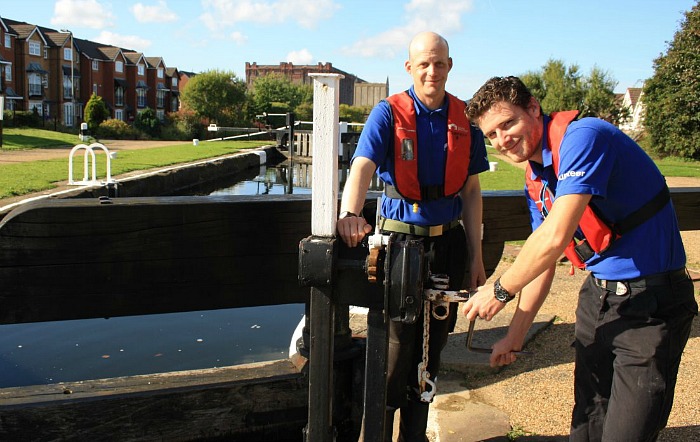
column 428, row 155
column 596, row 196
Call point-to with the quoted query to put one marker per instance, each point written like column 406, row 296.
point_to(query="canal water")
column 66, row 351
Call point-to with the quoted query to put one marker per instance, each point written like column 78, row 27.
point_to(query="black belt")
column 655, row 280
column 391, row 225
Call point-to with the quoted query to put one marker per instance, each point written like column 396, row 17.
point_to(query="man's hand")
column 353, row 229
column 483, row 304
column 502, row 352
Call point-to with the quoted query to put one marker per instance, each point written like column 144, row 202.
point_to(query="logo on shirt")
column 566, row 175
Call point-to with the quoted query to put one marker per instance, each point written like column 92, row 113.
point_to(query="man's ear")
column 534, row 108
column 407, row 66
column 449, row 64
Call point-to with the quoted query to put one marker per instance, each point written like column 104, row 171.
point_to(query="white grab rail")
column 89, row 155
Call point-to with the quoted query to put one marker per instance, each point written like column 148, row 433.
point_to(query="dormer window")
column 142, row 69
column 119, row 66
column 34, row 48
column 160, row 72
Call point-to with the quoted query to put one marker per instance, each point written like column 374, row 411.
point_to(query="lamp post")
column 72, row 75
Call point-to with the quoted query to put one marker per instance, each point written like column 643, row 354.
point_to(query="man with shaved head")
column 428, row 155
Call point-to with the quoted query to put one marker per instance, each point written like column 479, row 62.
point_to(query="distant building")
column 632, row 100
column 300, row 75
column 369, row 94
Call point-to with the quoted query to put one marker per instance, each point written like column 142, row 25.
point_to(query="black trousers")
column 406, row 340
column 628, row 350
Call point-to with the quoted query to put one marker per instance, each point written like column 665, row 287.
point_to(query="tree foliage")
column 147, row 122
column 95, row 112
column 558, row 87
column 216, row 96
column 273, row 93
column 672, row 95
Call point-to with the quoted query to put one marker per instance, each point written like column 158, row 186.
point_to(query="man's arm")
column 530, row 300
column 353, row 229
column 539, row 253
column 472, row 218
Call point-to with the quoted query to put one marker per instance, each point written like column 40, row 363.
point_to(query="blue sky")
column 370, row 38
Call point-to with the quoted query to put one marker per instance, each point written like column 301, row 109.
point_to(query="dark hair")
column 497, row 89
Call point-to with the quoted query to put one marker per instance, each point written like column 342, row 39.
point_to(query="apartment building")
column 54, row 73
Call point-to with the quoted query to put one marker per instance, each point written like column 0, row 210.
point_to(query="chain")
column 426, row 394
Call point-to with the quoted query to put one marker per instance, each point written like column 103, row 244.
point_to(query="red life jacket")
column 598, row 235
column 406, row 150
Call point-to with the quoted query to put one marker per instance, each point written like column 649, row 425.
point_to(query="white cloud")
column 220, row 14
column 137, row 44
column 159, row 13
column 239, row 38
column 300, row 57
column 421, row 15
column 81, row 13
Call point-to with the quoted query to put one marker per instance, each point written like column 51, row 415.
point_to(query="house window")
column 95, row 65
column 46, row 53
column 160, row 72
column 34, row 48
column 8, row 41
column 142, row 69
column 34, row 84
column 68, row 114
column 119, row 114
column 67, row 87
column 119, row 96
column 160, row 114
column 37, row 106
column 141, row 97
column 67, row 54
column 8, row 72
column 160, row 98
column 174, row 104
column 174, row 82
column 119, row 66
column 94, row 88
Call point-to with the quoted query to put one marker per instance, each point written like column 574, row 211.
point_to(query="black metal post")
column 322, row 312
column 374, row 400
column 290, row 129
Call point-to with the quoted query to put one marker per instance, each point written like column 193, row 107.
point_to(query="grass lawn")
column 23, row 178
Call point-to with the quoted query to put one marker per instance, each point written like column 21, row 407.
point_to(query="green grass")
column 28, row 177
column 17, row 139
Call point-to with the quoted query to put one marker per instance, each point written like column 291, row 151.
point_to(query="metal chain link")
column 426, row 394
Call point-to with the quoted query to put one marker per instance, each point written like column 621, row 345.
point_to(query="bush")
column 23, row 119
column 186, row 124
column 146, row 121
column 116, row 130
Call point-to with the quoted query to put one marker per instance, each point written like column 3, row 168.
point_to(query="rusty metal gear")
column 372, row 263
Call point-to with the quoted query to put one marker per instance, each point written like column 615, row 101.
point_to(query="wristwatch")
column 346, row 214
column 500, row 293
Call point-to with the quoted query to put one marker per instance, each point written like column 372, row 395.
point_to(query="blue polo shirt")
column 596, row 158
column 376, row 143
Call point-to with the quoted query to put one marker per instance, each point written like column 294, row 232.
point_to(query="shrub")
column 117, row 130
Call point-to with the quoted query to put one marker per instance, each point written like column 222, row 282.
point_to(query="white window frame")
column 35, row 84
column 68, row 114
column 95, row 65
column 35, row 48
column 119, row 66
column 8, row 72
column 174, row 82
column 160, row 73
column 119, row 114
column 8, row 41
column 67, row 54
column 142, row 70
column 141, row 97
column 67, row 87
column 119, row 96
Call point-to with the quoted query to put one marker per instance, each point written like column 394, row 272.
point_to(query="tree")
column 148, row 122
column 278, row 92
column 216, row 96
column 672, row 95
column 558, row 87
column 95, row 112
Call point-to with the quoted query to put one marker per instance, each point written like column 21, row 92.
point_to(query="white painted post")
column 324, row 183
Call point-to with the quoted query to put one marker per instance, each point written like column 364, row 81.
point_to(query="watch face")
column 500, row 293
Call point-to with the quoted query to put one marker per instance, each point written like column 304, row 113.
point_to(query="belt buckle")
column 435, row 230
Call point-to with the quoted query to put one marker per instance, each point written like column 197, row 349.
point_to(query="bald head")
column 427, row 40
column 429, row 63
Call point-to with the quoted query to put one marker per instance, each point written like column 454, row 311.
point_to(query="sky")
column 369, row 38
